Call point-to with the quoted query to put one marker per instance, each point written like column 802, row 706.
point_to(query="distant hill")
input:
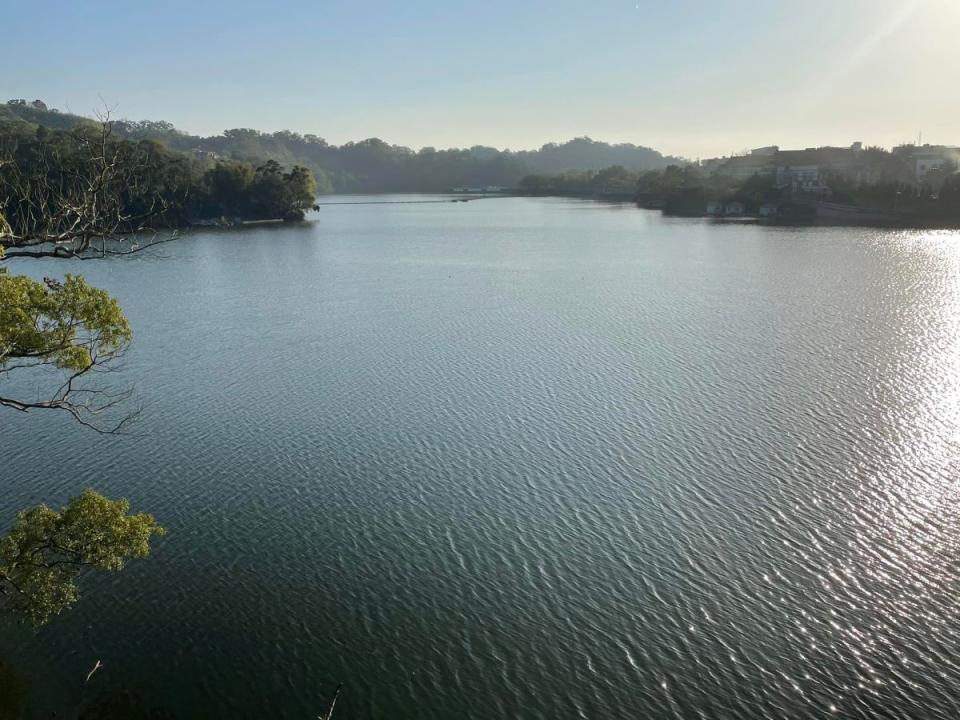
column 370, row 165
column 585, row 154
column 38, row 114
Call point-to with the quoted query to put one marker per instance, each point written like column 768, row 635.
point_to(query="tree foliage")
column 85, row 192
column 69, row 327
column 46, row 549
column 69, row 194
column 237, row 189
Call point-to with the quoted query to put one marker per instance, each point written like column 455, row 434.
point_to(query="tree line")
column 370, row 165
column 43, row 171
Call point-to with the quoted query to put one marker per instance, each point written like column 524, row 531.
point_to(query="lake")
column 520, row 458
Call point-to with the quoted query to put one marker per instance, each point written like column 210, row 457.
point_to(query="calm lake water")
column 521, row 458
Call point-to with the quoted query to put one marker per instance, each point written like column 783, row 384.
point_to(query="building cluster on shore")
column 813, row 175
column 811, row 170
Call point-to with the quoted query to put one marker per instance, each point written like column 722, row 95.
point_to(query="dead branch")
column 76, row 208
column 84, row 198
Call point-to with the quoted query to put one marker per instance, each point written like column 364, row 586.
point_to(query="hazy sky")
column 688, row 78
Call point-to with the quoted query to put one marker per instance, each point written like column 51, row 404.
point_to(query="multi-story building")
column 807, row 170
column 925, row 159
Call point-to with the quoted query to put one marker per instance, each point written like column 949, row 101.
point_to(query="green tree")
column 68, row 327
column 73, row 330
column 615, row 179
column 278, row 195
column 228, row 185
column 42, row 555
column 300, row 193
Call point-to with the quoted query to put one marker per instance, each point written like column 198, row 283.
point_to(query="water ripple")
column 512, row 459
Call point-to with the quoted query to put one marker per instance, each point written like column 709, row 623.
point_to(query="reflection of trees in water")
column 13, row 693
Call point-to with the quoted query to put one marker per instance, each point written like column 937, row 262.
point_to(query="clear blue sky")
column 689, row 78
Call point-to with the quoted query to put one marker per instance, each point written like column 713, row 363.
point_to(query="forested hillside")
column 370, row 165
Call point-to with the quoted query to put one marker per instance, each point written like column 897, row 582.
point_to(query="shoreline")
column 837, row 215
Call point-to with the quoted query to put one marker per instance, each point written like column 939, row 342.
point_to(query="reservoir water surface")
column 520, row 458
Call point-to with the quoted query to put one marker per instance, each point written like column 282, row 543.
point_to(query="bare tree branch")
column 84, row 196
column 77, row 208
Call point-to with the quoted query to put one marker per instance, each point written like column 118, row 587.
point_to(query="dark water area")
column 520, row 458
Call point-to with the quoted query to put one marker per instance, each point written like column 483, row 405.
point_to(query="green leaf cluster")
column 42, row 555
column 62, row 323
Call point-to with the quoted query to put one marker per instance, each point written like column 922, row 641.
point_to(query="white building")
column 811, row 170
column 928, row 158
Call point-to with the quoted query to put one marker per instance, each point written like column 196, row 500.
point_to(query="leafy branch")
column 43, row 554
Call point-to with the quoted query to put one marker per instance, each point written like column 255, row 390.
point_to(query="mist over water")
column 522, row 458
